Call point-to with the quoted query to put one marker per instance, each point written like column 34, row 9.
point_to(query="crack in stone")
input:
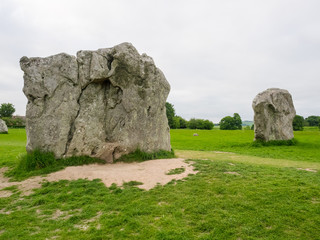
column 109, row 113
column 72, row 126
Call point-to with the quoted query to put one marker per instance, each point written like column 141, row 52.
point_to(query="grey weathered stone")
column 273, row 115
column 103, row 103
column 3, row 127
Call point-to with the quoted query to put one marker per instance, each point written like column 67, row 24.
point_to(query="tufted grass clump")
column 36, row 160
column 140, row 156
column 40, row 162
column 261, row 143
column 176, row 171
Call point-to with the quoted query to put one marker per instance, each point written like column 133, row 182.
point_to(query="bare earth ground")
column 150, row 173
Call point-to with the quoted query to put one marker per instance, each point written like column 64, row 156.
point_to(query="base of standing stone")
column 273, row 115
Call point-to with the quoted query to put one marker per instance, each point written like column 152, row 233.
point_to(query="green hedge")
column 15, row 122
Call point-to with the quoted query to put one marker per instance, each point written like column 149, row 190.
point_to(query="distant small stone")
column 195, row 134
column 3, row 127
column 273, row 115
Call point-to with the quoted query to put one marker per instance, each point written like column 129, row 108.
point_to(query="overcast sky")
column 216, row 54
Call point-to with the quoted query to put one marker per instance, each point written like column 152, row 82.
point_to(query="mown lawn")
column 240, row 141
column 11, row 146
column 227, row 199
column 259, row 203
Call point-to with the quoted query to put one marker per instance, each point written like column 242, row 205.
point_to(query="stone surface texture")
column 273, row 115
column 3, row 127
column 102, row 103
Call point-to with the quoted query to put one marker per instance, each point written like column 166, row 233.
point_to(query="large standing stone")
column 273, row 115
column 103, row 103
column 3, row 127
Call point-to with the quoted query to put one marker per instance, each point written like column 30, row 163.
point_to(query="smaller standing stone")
column 273, row 115
column 3, row 127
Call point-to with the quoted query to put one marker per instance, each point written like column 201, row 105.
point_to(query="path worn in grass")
column 240, row 141
column 232, row 157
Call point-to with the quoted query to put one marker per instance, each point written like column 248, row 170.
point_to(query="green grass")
column 40, row 163
column 252, row 160
column 259, row 203
column 176, row 171
column 36, row 160
column 260, row 143
column 307, row 147
column 25, row 165
column 140, row 156
column 11, row 146
column 233, row 196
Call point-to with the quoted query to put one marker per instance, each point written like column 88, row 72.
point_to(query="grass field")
column 11, row 146
column 240, row 141
column 257, row 193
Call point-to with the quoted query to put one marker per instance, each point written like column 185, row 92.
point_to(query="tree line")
column 230, row 122
column 299, row 122
column 6, row 114
column 227, row 123
column 176, row 122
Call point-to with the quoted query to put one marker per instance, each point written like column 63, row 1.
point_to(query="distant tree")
column 173, row 120
column 200, row 124
column 312, row 120
column 227, row 123
column 252, row 127
column 247, row 128
column 176, row 123
column 231, row 123
column 182, row 122
column 7, row 110
column 192, row 124
column 170, row 114
column 297, row 123
column 237, row 121
column 179, row 122
column 208, row 125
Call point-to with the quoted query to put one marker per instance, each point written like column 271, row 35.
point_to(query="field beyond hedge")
column 230, row 197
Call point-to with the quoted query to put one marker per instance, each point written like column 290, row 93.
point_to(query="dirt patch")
column 2, row 211
column 150, row 173
column 5, row 193
column 307, row 169
column 233, row 173
column 85, row 225
column 223, row 152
